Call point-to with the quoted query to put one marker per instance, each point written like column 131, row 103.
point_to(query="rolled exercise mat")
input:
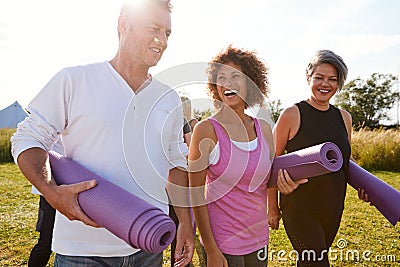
column 308, row 162
column 127, row 216
column 384, row 197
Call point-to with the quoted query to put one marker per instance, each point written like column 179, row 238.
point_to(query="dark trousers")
column 174, row 217
column 311, row 235
column 41, row 252
column 141, row 258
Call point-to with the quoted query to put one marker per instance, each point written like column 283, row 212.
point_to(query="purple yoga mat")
column 308, row 162
column 127, row 216
column 384, row 197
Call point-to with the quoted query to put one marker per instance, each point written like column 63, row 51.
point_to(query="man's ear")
column 123, row 25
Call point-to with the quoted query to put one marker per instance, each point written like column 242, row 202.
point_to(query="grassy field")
column 377, row 149
column 364, row 231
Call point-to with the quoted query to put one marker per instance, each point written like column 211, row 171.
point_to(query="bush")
column 377, row 149
column 5, row 145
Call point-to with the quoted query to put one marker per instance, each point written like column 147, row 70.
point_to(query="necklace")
column 319, row 105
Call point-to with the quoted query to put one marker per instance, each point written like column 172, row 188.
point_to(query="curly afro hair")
column 252, row 67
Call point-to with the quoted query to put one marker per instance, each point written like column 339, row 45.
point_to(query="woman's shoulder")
column 288, row 123
column 345, row 113
column 290, row 113
column 204, row 123
column 204, row 128
column 346, row 117
column 204, row 134
column 291, row 109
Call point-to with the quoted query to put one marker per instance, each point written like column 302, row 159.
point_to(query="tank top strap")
column 222, row 136
column 259, row 132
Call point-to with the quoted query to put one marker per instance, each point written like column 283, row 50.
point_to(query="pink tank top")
column 237, row 194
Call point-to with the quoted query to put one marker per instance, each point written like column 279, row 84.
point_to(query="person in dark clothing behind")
column 40, row 253
column 187, row 135
column 312, row 210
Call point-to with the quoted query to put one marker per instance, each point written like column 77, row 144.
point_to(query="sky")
column 39, row 38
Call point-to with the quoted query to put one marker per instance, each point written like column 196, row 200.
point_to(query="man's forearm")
column 178, row 192
column 34, row 165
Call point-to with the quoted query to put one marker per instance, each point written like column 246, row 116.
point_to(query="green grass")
column 5, row 144
column 377, row 149
column 18, row 214
column 363, row 228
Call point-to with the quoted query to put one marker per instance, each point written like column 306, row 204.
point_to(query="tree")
column 368, row 100
column 202, row 114
column 275, row 106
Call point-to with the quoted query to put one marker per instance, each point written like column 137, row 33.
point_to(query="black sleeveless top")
column 325, row 193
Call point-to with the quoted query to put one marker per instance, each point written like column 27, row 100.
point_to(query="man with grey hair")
column 87, row 106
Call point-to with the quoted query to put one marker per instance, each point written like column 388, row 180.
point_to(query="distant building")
column 12, row 115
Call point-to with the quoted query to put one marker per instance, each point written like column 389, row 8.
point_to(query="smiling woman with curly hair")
column 253, row 68
column 232, row 153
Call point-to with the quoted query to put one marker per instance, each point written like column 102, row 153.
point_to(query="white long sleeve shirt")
column 130, row 140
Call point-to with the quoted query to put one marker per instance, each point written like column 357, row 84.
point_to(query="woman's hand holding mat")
column 308, row 162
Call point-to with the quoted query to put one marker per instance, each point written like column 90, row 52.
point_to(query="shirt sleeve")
column 47, row 118
column 178, row 150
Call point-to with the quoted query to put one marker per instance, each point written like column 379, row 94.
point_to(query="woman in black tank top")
column 312, row 210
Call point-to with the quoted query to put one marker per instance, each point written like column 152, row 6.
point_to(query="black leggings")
column 40, row 253
column 311, row 235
